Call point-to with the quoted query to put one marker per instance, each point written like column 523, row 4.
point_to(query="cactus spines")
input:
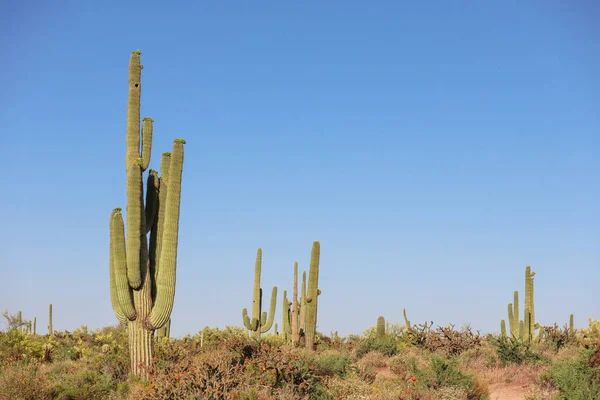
column 50, row 330
column 261, row 322
column 503, row 328
column 312, row 296
column 380, row 327
column 142, row 271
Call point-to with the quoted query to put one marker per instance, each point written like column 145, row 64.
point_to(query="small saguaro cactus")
column 312, row 296
column 503, row 328
column 261, row 322
column 380, row 327
column 20, row 321
column 406, row 321
column 571, row 323
column 142, row 273
column 295, row 305
column 50, row 331
column 34, row 325
column 302, row 313
column 286, row 320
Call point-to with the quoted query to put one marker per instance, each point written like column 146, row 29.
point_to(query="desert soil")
column 506, row 391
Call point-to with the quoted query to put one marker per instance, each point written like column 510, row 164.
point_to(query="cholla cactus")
column 590, row 337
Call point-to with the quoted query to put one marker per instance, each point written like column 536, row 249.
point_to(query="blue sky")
column 434, row 148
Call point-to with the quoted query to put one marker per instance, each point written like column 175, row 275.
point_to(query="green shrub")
column 515, row 351
column 333, row 363
column 575, row 379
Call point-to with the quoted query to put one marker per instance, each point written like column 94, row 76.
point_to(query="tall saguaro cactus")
column 142, row 273
column 529, row 317
column 312, row 296
column 261, row 322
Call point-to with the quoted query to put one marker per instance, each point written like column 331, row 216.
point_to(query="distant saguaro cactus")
column 50, row 330
column 312, row 296
column 380, row 327
column 142, row 274
column 261, row 322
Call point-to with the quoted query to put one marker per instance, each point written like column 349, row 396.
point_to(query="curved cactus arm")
column 146, row 141
column 271, row 316
column 251, row 325
column 113, row 286
column 166, row 276
column 263, row 318
column 152, row 190
column 135, row 201
column 119, row 266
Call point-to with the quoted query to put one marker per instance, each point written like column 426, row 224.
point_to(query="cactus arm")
column 265, row 326
column 135, row 201
column 133, row 110
column 502, row 328
column 156, row 244
column 152, row 190
column 146, row 142
column 165, row 281
column 113, row 285
column 119, row 264
column 250, row 325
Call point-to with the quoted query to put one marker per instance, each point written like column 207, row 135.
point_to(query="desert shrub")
column 447, row 340
column 515, row 351
column 367, row 366
column 444, row 373
column 23, row 382
column 387, row 346
column 333, row 363
column 558, row 338
column 574, row 379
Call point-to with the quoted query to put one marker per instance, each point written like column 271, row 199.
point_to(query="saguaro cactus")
column 529, row 317
column 50, row 331
column 312, row 296
column 142, row 274
column 261, row 321
column 380, row 327
column 503, row 328
column 286, row 320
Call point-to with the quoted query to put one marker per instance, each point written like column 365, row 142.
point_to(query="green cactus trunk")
column 286, row 319
column 529, row 316
column 35, row 325
column 503, row 328
column 50, row 330
column 312, row 296
column 406, row 321
column 142, row 273
column 380, row 327
column 295, row 305
column 571, row 323
column 302, row 313
column 20, row 321
column 261, row 322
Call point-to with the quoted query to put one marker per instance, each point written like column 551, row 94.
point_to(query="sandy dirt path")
column 505, row 391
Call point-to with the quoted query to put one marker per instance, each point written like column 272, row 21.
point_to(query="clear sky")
column 435, row 148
